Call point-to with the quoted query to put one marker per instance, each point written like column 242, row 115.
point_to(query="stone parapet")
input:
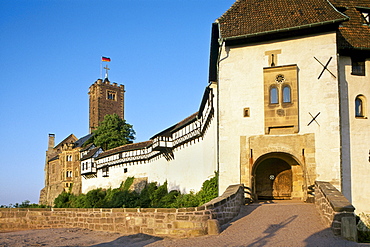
column 182, row 222
column 336, row 210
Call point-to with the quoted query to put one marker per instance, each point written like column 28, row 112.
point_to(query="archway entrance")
column 274, row 175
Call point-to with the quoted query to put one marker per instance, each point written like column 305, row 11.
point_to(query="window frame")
column 275, row 88
column 360, row 113
column 358, row 66
column 283, row 94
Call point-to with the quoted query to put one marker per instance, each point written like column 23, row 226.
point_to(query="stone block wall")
column 183, row 222
column 336, row 210
column 227, row 206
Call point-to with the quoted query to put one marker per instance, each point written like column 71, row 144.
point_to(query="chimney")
column 51, row 143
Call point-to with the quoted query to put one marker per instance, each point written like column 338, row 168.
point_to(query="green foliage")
column 63, row 200
column 364, row 236
column 127, row 184
column 95, row 198
column 151, row 196
column 186, row 200
column 363, row 227
column 113, row 132
column 25, row 204
column 209, row 190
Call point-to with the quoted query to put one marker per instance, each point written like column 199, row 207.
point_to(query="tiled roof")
column 354, row 33
column 90, row 153
column 80, row 142
column 255, row 17
column 168, row 131
column 127, row 147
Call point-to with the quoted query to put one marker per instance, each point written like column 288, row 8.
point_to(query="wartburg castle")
column 286, row 104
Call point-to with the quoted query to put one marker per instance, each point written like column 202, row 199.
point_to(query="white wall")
column 241, row 85
column 193, row 163
column 356, row 133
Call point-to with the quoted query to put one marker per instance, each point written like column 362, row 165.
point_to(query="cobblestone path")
column 282, row 223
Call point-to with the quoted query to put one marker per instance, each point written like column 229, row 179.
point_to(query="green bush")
column 63, row 200
column 151, row 196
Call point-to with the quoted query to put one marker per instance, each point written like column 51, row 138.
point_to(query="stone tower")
column 105, row 98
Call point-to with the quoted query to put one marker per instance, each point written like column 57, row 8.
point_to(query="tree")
column 113, row 132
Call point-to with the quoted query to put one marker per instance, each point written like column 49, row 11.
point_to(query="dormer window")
column 365, row 13
column 366, row 17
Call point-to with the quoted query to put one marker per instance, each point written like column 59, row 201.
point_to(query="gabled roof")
column 90, row 154
column 255, row 17
column 80, row 142
column 69, row 139
column 354, row 34
column 127, row 147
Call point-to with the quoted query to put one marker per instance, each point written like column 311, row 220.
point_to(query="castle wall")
column 241, row 85
column 185, row 167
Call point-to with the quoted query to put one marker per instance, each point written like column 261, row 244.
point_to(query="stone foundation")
column 336, row 210
column 182, row 222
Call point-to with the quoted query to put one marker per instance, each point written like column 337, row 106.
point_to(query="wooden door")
column 282, row 187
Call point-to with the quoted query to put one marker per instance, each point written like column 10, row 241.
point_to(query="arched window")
column 360, row 106
column 286, row 94
column 274, row 98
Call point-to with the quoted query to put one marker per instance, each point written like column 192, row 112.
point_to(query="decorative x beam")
column 313, row 118
column 325, row 67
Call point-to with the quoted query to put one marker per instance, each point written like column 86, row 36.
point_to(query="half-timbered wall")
column 185, row 158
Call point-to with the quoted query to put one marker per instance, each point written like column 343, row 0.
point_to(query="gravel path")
column 284, row 223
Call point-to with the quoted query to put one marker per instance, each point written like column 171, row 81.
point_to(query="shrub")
column 63, row 200
column 151, row 196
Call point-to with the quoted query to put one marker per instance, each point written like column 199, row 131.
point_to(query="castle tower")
column 105, row 98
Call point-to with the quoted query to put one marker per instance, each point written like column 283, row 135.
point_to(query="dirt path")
column 265, row 224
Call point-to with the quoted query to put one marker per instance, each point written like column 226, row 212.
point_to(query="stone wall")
column 181, row 222
column 336, row 210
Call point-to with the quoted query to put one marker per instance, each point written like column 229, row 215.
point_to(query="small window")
column 246, row 112
column 360, row 106
column 69, row 174
column 358, row 66
column 105, row 171
column 274, row 98
column 124, row 170
column 111, row 95
column 286, row 94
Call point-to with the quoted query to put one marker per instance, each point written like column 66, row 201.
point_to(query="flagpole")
column 101, row 67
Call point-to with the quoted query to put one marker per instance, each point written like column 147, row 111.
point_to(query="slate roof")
column 80, row 142
column 127, row 147
column 257, row 17
column 354, row 34
column 170, row 130
column 90, row 153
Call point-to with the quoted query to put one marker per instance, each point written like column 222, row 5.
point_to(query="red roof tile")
column 252, row 17
column 355, row 33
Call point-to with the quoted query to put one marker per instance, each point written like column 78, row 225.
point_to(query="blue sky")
column 50, row 55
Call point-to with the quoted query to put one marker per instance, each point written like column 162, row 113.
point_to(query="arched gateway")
column 277, row 176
